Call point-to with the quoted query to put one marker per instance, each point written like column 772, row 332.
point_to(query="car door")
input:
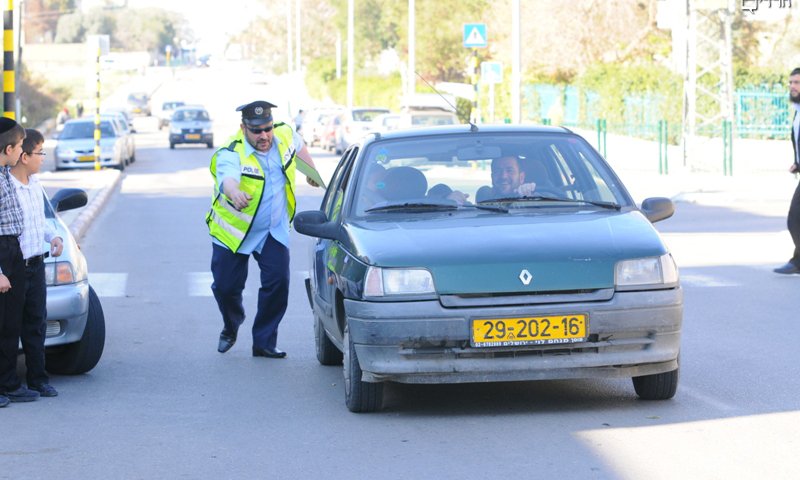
column 326, row 251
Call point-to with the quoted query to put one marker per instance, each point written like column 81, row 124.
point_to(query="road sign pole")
column 491, row 102
column 476, row 118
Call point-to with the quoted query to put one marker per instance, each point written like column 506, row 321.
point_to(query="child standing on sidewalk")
column 12, row 267
column 35, row 231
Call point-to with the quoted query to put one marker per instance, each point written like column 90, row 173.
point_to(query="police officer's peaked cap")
column 256, row 113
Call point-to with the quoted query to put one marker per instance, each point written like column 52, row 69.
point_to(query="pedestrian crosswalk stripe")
column 109, row 284
column 699, row 280
column 200, row 284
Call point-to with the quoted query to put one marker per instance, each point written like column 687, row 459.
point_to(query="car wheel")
column 133, row 157
column 659, row 386
column 210, row 144
column 121, row 166
column 171, row 146
column 82, row 356
column 327, row 353
column 359, row 396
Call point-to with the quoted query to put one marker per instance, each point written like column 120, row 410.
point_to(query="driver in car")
column 508, row 181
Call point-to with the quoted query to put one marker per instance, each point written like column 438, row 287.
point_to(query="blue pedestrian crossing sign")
column 475, row 35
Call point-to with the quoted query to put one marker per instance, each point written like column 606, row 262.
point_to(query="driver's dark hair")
column 796, row 71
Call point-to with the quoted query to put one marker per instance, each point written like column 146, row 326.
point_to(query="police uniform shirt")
column 273, row 201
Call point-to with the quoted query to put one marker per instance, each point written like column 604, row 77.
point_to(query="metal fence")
column 759, row 113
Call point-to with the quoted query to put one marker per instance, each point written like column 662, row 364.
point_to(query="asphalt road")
column 162, row 403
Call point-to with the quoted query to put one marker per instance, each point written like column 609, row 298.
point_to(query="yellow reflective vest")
column 229, row 225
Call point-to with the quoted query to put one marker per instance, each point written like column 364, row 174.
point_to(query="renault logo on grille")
column 525, row 277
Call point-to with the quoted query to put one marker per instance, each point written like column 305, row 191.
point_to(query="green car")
column 493, row 253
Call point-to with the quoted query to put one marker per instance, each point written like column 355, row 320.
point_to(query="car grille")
column 505, row 299
column 191, row 130
column 462, row 349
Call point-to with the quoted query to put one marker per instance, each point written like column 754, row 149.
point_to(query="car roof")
column 191, row 107
column 466, row 128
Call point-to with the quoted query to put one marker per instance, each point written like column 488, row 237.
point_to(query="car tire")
column 171, row 146
column 82, row 356
column 327, row 353
column 210, row 144
column 359, row 396
column 121, row 166
column 659, row 386
column 133, row 157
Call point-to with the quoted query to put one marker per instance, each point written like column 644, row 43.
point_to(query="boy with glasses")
column 36, row 230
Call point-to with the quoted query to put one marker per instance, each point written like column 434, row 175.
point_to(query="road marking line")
column 200, row 284
column 109, row 284
column 698, row 280
column 720, row 405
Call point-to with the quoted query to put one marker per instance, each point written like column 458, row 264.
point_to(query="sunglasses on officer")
column 258, row 131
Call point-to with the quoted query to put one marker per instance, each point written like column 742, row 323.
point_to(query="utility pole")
column 412, row 76
column 515, row 63
column 289, row 38
column 297, row 66
column 709, row 61
column 350, row 51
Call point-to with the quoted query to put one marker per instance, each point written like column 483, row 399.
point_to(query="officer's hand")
column 5, row 285
column 240, row 199
column 457, row 196
column 56, row 246
column 312, row 182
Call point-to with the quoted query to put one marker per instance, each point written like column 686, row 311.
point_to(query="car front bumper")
column 67, row 310
column 191, row 138
column 633, row 334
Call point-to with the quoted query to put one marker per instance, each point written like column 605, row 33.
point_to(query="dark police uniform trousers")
column 11, row 303
column 230, row 273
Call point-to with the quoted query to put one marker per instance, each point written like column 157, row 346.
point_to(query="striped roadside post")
column 97, row 112
column 9, row 83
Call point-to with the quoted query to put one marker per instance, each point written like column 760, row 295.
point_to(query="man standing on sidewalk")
column 793, row 220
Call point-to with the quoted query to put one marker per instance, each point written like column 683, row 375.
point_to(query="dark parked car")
column 548, row 270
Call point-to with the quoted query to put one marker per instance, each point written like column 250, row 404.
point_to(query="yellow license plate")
column 192, row 136
column 547, row 330
column 86, row 158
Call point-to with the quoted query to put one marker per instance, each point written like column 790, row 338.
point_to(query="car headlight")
column 107, row 151
column 647, row 273
column 381, row 282
column 174, row 130
column 65, row 152
column 207, row 130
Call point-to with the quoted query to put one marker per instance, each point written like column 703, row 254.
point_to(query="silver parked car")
column 191, row 124
column 76, row 328
column 75, row 147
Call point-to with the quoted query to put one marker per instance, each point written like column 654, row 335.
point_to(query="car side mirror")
column 68, row 199
column 657, row 208
column 314, row 223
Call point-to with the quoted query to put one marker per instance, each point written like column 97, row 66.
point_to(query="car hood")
column 486, row 253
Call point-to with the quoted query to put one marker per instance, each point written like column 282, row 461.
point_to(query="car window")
column 190, row 115
column 367, row 115
column 332, row 202
column 77, row 130
column 425, row 169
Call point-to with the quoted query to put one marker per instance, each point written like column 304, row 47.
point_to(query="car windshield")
column 190, row 116
column 74, row 130
column 509, row 171
column 367, row 115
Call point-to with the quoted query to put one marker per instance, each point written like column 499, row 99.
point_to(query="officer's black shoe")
column 268, row 352
column 226, row 341
column 787, row 269
column 4, row 401
column 22, row 394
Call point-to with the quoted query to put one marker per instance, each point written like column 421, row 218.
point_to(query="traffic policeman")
column 252, row 207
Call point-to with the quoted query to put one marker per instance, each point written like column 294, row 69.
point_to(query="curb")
column 79, row 226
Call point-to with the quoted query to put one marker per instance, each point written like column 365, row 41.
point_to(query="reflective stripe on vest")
column 225, row 223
